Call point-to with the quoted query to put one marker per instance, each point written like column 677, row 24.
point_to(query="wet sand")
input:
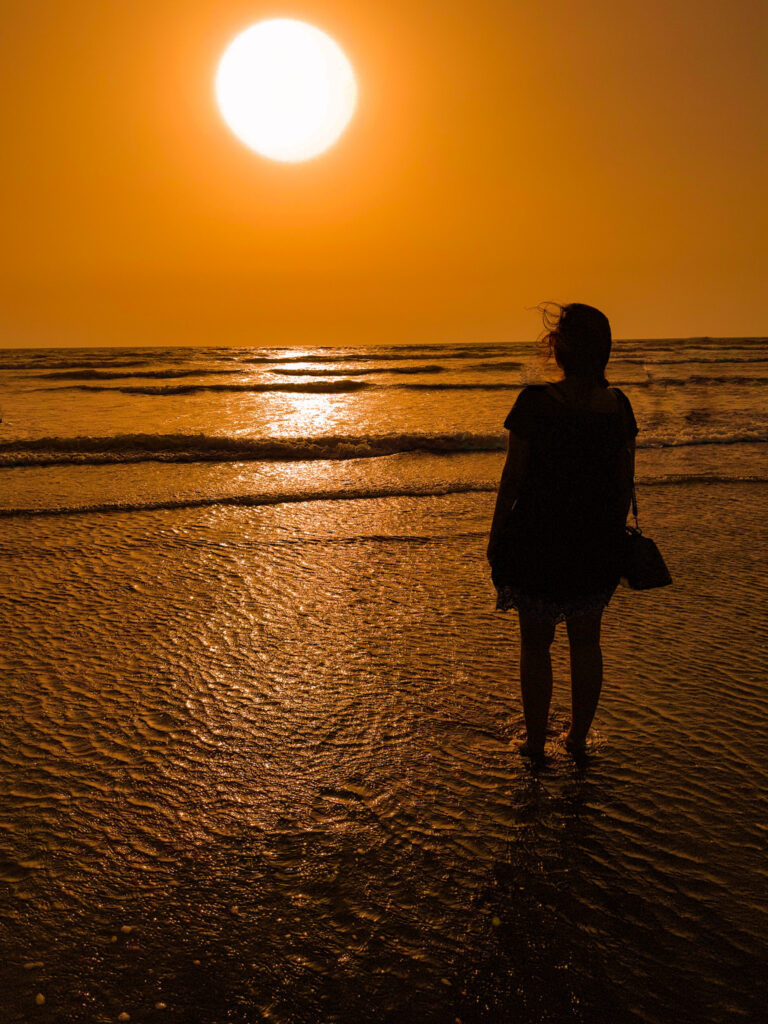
column 278, row 746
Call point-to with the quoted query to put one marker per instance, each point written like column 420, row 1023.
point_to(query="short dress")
column 560, row 550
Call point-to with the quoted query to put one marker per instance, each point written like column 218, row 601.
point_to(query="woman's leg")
column 586, row 673
column 535, row 678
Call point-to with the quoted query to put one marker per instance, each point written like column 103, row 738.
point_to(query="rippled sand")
column 277, row 745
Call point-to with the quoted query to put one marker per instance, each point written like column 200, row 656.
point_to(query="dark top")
column 563, row 538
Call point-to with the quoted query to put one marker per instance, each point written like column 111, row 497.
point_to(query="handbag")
column 643, row 567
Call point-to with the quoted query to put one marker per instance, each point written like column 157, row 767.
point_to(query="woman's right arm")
column 625, row 468
column 509, row 489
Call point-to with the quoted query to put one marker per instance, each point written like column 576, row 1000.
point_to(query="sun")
column 286, row 89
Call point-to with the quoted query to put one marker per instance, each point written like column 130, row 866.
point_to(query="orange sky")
column 503, row 152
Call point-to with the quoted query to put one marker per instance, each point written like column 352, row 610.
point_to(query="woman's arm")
column 625, row 472
column 509, row 489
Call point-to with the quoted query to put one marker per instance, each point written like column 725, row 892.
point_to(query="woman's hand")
column 492, row 550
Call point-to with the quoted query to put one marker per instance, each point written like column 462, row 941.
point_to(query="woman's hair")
column 579, row 337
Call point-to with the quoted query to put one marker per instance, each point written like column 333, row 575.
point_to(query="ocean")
column 257, row 749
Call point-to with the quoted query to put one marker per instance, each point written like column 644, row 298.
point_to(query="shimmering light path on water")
column 274, row 744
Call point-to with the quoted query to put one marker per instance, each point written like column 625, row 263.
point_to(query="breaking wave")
column 181, row 448
column 120, row 448
column 322, row 387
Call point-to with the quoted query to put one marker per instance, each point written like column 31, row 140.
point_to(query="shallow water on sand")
column 278, row 745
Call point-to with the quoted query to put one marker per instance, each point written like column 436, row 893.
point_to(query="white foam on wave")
column 130, row 448
column 126, row 448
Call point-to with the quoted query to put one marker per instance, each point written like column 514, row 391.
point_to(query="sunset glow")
column 286, row 89
column 340, row 174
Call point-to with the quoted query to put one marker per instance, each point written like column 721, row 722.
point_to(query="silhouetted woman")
column 559, row 521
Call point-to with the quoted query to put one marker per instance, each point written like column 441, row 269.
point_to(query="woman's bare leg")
column 586, row 674
column 535, row 679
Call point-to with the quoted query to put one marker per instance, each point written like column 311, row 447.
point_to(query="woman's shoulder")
column 623, row 399
column 523, row 414
column 627, row 413
column 531, row 394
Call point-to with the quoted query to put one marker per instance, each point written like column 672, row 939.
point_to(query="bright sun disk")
column 286, row 89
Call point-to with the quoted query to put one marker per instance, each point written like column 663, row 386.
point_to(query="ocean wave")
column 506, row 385
column 346, row 385
column 651, row 381
column 401, row 353
column 718, row 361
column 320, row 387
column 360, row 493
column 256, row 500
column 697, row 378
column 190, row 448
column 127, row 448
column 637, row 351
column 504, row 364
column 44, row 363
column 757, row 435
column 366, row 372
column 96, row 374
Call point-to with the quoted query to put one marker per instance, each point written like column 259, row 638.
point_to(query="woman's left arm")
column 509, row 489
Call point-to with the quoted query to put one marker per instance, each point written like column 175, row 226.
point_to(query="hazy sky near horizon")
column 502, row 153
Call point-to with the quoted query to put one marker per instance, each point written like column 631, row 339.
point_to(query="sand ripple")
column 277, row 745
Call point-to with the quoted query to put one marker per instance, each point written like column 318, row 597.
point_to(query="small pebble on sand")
column 40, row 999
column 196, row 963
column 127, row 929
column 160, row 1006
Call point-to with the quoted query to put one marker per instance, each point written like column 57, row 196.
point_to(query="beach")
column 258, row 751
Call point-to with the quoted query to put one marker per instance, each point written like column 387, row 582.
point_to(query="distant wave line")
column 65, row 364
column 233, row 371
column 401, row 353
column 651, row 381
column 630, row 348
column 336, row 494
column 366, row 372
column 324, row 387
column 637, row 361
column 344, row 385
column 97, row 374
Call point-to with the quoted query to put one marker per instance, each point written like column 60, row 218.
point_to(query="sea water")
column 102, row 428
column 257, row 750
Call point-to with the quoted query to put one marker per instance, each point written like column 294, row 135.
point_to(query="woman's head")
column 579, row 337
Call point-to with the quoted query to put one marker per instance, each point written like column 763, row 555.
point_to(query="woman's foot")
column 574, row 746
column 527, row 749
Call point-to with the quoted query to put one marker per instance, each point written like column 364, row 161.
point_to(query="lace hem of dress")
column 550, row 611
